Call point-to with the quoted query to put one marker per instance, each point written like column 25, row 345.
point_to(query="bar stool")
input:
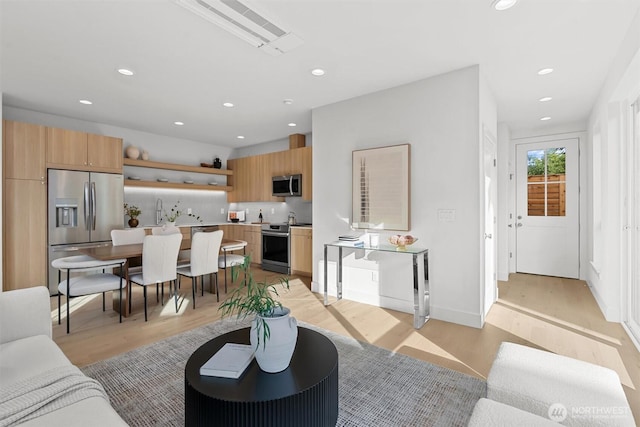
column 87, row 284
column 230, row 260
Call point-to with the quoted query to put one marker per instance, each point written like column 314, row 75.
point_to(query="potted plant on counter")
column 133, row 212
column 172, row 216
column 274, row 332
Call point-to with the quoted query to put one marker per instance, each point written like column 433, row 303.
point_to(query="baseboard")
column 609, row 313
column 464, row 318
column 633, row 339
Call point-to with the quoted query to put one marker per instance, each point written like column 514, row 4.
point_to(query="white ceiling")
column 56, row 52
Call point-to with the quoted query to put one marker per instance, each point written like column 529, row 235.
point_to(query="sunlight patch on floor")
column 75, row 304
column 169, row 308
column 551, row 334
column 569, row 325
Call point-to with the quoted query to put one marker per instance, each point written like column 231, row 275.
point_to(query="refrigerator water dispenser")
column 66, row 213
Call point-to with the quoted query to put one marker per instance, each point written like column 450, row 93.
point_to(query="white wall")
column 440, row 118
column 607, row 277
column 506, row 206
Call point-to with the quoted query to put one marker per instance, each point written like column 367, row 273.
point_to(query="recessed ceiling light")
column 503, row 4
column 317, row 72
column 178, row 123
column 292, row 125
column 545, row 99
column 85, row 102
column 288, row 101
column 125, row 72
column 227, row 104
column 240, row 137
column 544, row 119
column 545, row 71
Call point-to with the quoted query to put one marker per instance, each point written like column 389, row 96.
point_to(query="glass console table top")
column 383, row 247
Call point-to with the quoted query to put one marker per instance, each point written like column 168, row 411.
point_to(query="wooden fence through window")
column 556, row 195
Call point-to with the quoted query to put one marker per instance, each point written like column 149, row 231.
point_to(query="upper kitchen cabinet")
column 252, row 175
column 68, row 149
column 24, row 150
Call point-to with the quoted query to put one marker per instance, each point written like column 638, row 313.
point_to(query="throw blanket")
column 54, row 389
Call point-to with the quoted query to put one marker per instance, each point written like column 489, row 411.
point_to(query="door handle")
column 488, row 236
column 93, row 206
column 519, row 224
column 86, row 206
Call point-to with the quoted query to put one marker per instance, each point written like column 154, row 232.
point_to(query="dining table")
column 133, row 252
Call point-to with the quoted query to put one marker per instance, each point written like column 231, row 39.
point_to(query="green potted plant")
column 172, row 216
column 132, row 212
column 273, row 332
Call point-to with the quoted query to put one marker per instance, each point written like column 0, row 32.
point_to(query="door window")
column 546, row 182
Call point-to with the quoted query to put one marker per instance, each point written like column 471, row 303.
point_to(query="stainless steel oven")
column 276, row 248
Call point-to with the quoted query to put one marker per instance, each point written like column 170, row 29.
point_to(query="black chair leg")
column 175, row 294
column 58, row 307
column 104, row 307
column 145, row 302
column 217, row 291
column 68, row 278
column 194, row 282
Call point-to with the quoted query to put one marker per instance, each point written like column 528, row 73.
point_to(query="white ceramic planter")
column 275, row 355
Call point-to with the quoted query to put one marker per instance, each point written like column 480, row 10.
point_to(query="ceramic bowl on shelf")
column 188, row 181
column 163, row 180
column 134, row 178
column 401, row 242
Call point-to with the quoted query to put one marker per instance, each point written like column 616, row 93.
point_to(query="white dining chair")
column 228, row 260
column 127, row 236
column 204, row 252
column 159, row 258
column 164, row 230
column 87, row 284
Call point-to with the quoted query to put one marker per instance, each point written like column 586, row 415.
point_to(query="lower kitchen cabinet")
column 25, row 234
column 253, row 237
column 301, row 251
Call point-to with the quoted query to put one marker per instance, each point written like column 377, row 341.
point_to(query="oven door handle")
column 275, row 234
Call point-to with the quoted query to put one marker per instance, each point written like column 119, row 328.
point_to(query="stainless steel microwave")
column 289, row 185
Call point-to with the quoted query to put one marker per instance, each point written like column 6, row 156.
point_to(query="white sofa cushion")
column 495, row 414
column 542, row 382
column 29, row 357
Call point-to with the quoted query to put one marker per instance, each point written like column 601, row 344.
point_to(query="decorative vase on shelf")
column 275, row 354
column 133, row 222
column 132, row 152
column 145, row 155
column 217, row 164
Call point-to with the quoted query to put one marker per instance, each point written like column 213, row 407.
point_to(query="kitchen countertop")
column 255, row 224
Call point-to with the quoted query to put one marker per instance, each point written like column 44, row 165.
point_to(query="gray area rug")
column 376, row 387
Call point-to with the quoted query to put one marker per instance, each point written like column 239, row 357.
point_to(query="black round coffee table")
column 304, row 394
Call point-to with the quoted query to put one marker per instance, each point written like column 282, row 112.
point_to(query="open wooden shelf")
column 174, row 167
column 157, row 184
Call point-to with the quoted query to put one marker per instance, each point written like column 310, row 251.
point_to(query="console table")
column 304, row 394
column 420, row 281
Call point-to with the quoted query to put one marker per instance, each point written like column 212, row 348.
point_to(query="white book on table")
column 228, row 362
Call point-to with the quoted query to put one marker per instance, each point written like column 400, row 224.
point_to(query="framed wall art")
column 381, row 188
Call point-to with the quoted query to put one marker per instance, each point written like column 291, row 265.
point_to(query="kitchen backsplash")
column 211, row 206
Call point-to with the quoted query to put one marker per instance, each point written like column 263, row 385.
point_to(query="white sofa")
column 526, row 386
column 34, row 373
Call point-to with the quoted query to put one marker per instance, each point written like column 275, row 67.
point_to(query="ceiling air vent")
column 246, row 23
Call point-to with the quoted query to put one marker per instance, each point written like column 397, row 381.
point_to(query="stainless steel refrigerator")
column 83, row 208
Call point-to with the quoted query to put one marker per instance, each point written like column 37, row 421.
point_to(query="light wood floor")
column 554, row 314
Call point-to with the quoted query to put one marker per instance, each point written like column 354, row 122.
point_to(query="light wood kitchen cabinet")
column 252, row 175
column 24, row 150
column 301, row 251
column 25, row 205
column 25, row 233
column 68, row 149
column 253, row 237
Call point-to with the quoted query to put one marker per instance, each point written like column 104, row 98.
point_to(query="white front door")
column 547, row 217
